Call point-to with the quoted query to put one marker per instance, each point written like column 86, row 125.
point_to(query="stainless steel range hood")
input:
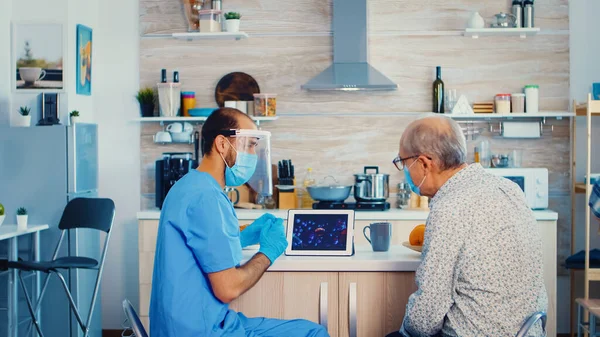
column 350, row 70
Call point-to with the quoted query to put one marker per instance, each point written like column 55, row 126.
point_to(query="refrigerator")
column 41, row 169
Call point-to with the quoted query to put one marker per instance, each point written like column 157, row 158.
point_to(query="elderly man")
column 481, row 269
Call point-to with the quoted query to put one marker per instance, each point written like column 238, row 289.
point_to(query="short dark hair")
column 220, row 120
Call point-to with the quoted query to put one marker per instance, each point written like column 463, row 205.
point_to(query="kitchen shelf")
column 521, row 32
column 161, row 120
column 579, row 188
column 594, row 107
column 543, row 114
column 210, row 36
column 475, row 116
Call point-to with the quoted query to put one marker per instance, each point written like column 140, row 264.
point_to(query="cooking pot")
column 330, row 193
column 371, row 187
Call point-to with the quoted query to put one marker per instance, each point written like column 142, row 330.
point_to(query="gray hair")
column 439, row 137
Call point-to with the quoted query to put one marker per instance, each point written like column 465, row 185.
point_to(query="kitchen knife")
column 289, row 169
column 280, row 170
column 292, row 175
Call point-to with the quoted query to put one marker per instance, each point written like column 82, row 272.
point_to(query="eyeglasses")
column 399, row 162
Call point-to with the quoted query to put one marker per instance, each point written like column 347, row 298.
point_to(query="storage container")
column 265, row 105
column 532, row 98
column 210, row 21
column 518, row 102
column 188, row 101
column 502, row 103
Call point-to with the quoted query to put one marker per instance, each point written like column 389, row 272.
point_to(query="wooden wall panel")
column 337, row 133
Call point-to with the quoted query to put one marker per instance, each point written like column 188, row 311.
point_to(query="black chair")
column 92, row 213
column 136, row 325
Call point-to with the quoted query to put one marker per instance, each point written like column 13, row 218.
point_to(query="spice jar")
column 265, row 105
column 502, row 103
column 188, row 101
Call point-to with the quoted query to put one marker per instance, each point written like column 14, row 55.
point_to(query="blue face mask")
column 416, row 189
column 242, row 170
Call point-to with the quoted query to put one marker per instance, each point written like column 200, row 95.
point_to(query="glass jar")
column 502, row 103
column 403, row 196
column 188, row 101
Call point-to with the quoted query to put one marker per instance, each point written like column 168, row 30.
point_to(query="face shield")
column 251, row 146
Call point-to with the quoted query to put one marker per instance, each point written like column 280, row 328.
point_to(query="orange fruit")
column 242, row 227
column 417, row 235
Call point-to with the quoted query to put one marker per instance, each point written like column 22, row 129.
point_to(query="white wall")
column 116, row 82
column 111, row 105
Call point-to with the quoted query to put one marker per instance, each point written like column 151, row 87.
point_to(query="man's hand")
column 272, row 240
column 251, row 234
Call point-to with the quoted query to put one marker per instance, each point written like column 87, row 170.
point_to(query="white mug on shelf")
column 175, row 127
column 162, row 137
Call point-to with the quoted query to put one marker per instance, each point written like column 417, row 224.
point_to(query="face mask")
column 416, row 189
column 242, row 170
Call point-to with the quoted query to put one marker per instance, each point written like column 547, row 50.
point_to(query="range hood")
column 350, row 70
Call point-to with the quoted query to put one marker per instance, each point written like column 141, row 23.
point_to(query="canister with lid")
column 532, row 98
column 502, row 103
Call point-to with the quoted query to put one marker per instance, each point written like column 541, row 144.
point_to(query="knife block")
column 288, row 199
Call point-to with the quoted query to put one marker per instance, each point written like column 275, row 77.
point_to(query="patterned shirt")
column 595, row 199
column 481, row 272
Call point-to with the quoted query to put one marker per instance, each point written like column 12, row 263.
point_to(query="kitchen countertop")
column 390, row 215
column 398, row 258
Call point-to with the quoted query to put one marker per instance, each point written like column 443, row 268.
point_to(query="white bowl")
column 2, row 219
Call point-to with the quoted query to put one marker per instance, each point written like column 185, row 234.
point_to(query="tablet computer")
column 320, row 232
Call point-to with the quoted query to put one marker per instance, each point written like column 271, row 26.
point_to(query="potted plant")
column 232, row 22
column 146, row 99
column 24, row 119
column 74, row 117
column 22, row 218
column 1, row 214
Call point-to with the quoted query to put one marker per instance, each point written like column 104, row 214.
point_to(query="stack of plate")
column 483, row 107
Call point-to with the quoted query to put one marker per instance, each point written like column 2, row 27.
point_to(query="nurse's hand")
column 272, row 240
column 251, row 234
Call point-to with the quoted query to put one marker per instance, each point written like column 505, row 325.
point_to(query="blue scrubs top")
column 198, row 234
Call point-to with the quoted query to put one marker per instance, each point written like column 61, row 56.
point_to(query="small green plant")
column 22, row 211
column 233, row 16
column 145, row 96
column 24, row 111
column 1, row 210
column 74, row 113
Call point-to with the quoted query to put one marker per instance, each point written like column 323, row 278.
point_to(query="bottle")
column 438, row 92
column 528, row 14
column 517, row 11
column 307, row 201
column 476, row 154
column 175, row 77
column 163, row 76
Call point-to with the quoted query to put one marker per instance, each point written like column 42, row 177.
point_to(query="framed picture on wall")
column 84, row 60
column 38, row 51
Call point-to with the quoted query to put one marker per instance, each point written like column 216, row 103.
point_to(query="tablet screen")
column 320, row 232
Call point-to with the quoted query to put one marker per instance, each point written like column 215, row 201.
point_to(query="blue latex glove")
column 272, row 240
column 251, row 234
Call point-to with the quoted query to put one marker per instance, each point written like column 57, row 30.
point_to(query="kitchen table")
column 12, row 234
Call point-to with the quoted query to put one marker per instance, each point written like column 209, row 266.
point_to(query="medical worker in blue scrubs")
column 197, row 266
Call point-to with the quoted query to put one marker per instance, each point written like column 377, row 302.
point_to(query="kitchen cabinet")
column 356, row 303
column 373, row 304
column 291, row 295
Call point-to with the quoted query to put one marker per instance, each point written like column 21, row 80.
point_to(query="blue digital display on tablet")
column 323, row 232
